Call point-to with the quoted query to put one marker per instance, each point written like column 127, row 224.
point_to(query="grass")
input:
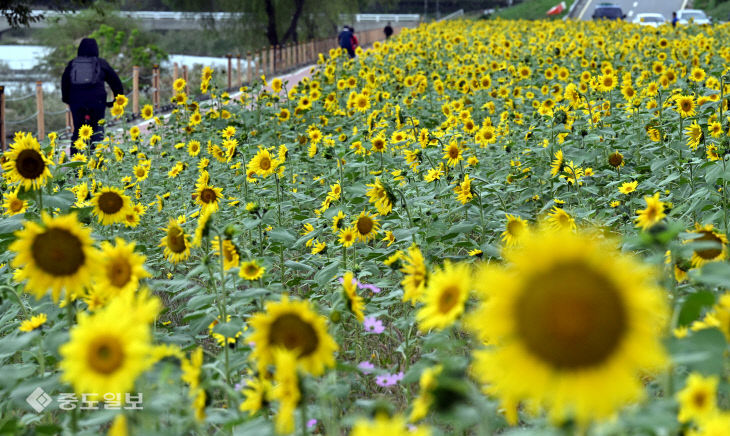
column 532, row 10
column 719, row 10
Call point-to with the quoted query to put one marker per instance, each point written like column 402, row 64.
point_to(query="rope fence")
column 269, row 61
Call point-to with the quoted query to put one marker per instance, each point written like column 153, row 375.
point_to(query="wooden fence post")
column 185, row 77
column 271, row 60
column 156, row 86
column 249, row 69
column 238, row 70
column 135, row 90
column 175, row 72
column 69, row 121
column 230, row 67
column 3, row 139
column 39, row 108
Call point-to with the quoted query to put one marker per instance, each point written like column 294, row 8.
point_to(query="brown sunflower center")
column 364, row 225
column 140, row 172
column 453, row 152
column 16, row 205
column 571, row 317
column 699, row 399
column 110, row 203
column 58, row 252
column 448, row 299
column 119, row 272
column 105, row 354
column 290, row 331
column 30, row 164
column 710, row 252
column 265, row 163
column 252, row 270
column 207, row 195
column 176, row 240
column 615, row 159
column 686, row 106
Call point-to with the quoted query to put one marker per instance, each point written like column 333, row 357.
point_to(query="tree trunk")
column 271, row 32
column 291, row 32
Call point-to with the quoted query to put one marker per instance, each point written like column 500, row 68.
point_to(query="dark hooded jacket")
column 91, row 97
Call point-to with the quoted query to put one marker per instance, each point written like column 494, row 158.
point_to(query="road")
column 633, row 7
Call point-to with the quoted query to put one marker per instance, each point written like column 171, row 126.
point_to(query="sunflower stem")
column 303, row 414
column 41, row 357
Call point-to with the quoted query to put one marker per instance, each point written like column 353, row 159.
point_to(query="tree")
column 19, row 14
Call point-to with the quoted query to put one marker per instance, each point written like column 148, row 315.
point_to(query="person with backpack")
column 345, row 40
column 388, row 30
column 82, row 89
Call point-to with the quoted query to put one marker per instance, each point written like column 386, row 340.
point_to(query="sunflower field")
column 478, row 227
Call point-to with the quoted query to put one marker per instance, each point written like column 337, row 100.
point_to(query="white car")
column 653, row 20
column 695, row 16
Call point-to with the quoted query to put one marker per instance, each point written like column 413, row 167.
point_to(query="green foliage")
column 532, row 10
column 121, row 43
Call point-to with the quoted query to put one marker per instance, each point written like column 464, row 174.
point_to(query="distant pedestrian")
column 82, row 88
column 345, row 40
column 388, row 31
column 674, row 19
column 355, row 42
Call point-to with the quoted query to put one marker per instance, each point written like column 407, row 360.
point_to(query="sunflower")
column 565, row 326
column 383, row 424
column 347, row 236
column 85, row 132
column 514, row 231
column 444, row 297
column 147, row 111
column 697, row 401
column 263, row 164
column 616, row 159
column 251, row 270
column 452, row 154
column 653, row 213
column 367, row 226
column 685, row 105
column 25, row 163
column 414, row 268
column 107, row 351
column 110, row 205
column 12, row 204
column 230, row 252
column 284, row 115
column 354, row 301
column 175, row 242
column 295, row 326
column 141, row 172
column 556, row 167
column 694, row 135
column 57, row 255
column 628, row 187
column 558, row 219
column 427, row 384
column 179, row 84
column 35, row 322
column 121, row 268
column 286, row 389
column 361, row 103
column 257, row 392
column 714, row 246
column 193, row 148
column 379, row 144
column 208, row 197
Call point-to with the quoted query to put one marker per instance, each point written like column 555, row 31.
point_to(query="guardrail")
column 456, row 14
column 393, row 18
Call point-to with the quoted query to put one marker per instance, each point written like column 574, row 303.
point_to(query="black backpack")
column 86, row 71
